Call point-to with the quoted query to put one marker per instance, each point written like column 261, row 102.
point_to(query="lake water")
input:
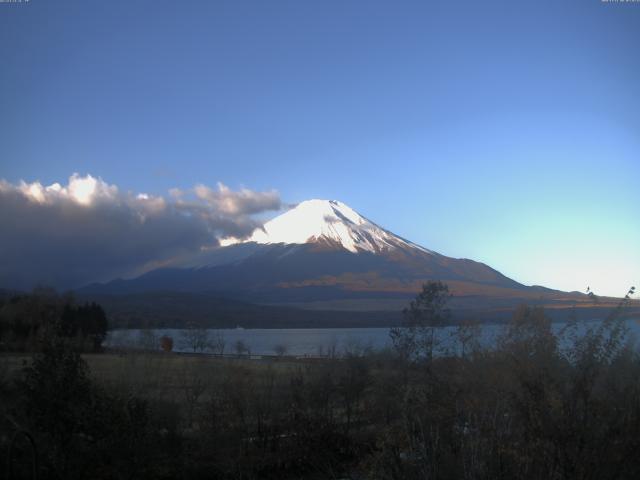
column 305, row 341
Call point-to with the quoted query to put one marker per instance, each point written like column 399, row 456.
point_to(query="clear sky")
column 507, row 132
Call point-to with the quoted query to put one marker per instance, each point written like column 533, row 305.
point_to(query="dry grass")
column 163, row 376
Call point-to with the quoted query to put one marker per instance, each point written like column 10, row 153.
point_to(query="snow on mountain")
column 317, row 221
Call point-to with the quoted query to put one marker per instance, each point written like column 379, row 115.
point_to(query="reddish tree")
column 166, row 343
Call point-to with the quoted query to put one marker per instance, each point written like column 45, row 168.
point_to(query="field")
column 168, row 376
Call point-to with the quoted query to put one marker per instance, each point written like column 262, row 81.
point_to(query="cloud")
column 243, row 202
column 89, row 230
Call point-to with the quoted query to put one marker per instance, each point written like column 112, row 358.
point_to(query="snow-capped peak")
column 329, row 220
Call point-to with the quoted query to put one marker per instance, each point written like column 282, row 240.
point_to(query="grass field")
column 166, row 375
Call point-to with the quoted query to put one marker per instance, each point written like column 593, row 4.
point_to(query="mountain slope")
column 277, row 270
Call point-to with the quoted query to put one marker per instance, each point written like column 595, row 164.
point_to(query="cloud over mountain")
column 90, row 230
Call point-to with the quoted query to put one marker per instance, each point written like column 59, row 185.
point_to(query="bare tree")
column 242, row 348
column 416, row 338
column 280, row 349
column 195, row 338
column 147, row 339
column 468, row 335
column 217, row 343
column 354, row 347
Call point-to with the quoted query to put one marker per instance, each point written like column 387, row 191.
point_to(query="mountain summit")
column 330, row 222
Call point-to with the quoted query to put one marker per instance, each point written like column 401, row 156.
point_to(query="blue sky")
column 506, row 132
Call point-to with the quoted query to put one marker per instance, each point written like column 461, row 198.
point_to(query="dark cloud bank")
column 68, row 236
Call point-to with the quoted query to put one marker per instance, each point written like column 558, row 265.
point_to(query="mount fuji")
column 331, row 222
column 322, row 256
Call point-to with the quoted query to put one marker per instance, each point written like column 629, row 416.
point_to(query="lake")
column 308, row 341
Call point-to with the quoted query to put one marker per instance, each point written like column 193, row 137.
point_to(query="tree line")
column 28, row 320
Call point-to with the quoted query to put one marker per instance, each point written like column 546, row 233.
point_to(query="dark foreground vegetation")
column 534, row 406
